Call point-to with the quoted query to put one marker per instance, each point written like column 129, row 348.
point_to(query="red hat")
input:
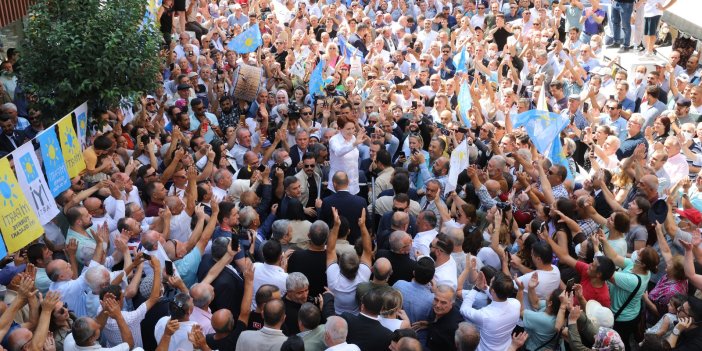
column 691, row 214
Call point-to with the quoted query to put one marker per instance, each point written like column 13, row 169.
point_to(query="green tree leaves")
column 97, row 50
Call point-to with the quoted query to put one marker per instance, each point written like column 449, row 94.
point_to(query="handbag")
column 628, row 300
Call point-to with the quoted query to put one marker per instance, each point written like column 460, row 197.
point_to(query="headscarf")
column 608, row 339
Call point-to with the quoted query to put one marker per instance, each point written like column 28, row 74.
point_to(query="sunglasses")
column 308, row 166
column 306, row 113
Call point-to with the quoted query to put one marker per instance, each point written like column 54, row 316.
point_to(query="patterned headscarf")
column 608, row 339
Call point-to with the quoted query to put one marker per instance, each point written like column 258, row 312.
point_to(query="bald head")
column 400, row 221
column 202, row 295
column 222, row 320
column 382, row 269
column 340, row 181
column 651, row 182
column 492, row 186
column 92, row 204
column 336, row 330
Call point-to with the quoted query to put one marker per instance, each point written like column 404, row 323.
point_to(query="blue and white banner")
column 55, row 167
column 32, row 183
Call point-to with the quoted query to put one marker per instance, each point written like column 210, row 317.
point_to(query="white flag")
column 459, row 162
column 32, row 182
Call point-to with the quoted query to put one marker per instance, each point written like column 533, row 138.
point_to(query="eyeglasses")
column 613, row 107
column 370, row 107
column 386, row 101
column 446, row 52
column 372, row 122
column 397, row 209
column 151, row 104
column 306, row 113
column 308, row 166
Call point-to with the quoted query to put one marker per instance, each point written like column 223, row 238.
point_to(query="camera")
column 504, row 206
column 293, row 110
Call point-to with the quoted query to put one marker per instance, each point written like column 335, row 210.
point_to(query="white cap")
column 599, row 315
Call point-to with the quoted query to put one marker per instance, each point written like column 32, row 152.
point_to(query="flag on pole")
column 348, row 51
column 544, row 129
column 459, row 60
column 317, row 81
column 457, row 163
column 248, row 41
column 465, row 103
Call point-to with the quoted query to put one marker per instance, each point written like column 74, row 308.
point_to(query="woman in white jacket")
column 343, row 152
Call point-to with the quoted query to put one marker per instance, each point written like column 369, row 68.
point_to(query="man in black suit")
column 229, row 283
column 298, row 150
column 9, row 138
column 365, row 330
column 358, row 39
column 348, row 205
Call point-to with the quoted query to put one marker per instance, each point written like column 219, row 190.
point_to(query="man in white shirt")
column 180, row 309
column 446, row 272
column 496, row 320
column 549, row 275
column 335, row 331
column 426, row 227
column 427, row 36
column 222, row 181
column 270, row 271
column 676, row 166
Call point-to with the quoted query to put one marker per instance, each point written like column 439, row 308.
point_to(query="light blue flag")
column 55, row 167
column 558, row 157
column 543, row 127
column 248, row 41
column 317, row 82
column 459, row 60
column 347, row 50
column 465, row 102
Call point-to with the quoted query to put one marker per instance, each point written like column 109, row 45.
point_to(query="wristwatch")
column 676, row 331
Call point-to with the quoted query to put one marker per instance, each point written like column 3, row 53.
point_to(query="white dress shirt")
column 677, row 168
column 343, row 156
column 421, row 243
column 218, row 194
column 495, row 321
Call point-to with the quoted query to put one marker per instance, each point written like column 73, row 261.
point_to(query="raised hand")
column 172, row 326
column 518, row 340
column 534, row 280
column 361, row 220
column 72, row 248
column 50, row 300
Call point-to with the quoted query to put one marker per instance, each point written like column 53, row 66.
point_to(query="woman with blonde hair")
column 392, row 316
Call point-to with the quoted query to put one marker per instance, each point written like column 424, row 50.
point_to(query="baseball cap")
column 683, row 77
column 691, row 214
column 192, row 74
column 573, row 97
column 682, row 101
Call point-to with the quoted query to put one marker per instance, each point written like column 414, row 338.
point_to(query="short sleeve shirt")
column 624, row 283
column 344, row 289
column 590, row 292
column 540, row 327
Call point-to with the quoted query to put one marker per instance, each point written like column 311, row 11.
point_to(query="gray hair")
column 8, row 106
column 280, row 229
column 96, row 277
column 443, row 288
column 81, row 331
column 396, row 240
column 336, row 329
column 456, row 236
column 638, row 118
column 300, row 132
column 501, row 162
column 247, row 216
column 276, row 154
column 319, row 232
column 201, row 295
column 467, row 337
column 296, row 281
column 219, row 174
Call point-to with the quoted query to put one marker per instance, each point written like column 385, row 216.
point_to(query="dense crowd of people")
column 328, row 221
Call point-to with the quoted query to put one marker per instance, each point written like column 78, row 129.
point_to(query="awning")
column 12, row 10
column 684, row 16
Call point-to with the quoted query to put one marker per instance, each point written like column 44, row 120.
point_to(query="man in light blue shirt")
column 651, row 107
column 198, row 116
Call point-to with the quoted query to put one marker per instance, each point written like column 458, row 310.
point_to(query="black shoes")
column 624, row 49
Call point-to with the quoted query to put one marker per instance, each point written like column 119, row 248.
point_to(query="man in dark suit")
column 358, row 39
column 348, row 205
column 9, row 138
column 298, row 150
column 365, row 330
column 229, row 280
